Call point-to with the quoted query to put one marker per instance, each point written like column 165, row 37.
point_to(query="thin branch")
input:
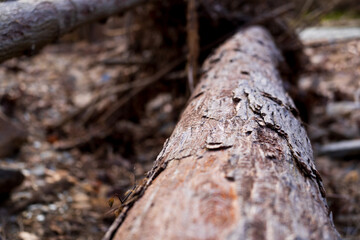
column 27, row 26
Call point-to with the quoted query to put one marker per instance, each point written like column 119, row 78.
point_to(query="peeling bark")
column 239, row 164
column 27, row 25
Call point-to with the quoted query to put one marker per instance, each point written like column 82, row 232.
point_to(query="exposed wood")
column 238, row 165
column 29, row 25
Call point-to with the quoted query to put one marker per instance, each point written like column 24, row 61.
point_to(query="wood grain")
column 239, row 164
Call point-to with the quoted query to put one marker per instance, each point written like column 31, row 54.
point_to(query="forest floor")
column 69, row 180
column 331, row 89
column 65, row 193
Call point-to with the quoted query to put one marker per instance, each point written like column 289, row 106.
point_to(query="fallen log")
column 26, row 26
column 238, row 165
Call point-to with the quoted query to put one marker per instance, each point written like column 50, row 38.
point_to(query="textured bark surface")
column 239, row 164
column 27, row 25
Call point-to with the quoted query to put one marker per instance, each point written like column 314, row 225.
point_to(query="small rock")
column 40, row 217
column 39, row 170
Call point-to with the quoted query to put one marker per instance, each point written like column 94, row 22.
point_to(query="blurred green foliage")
column 341, row 14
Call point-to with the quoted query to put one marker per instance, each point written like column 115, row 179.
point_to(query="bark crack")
column 291, row 109
column 211, row 118
column 269, row 113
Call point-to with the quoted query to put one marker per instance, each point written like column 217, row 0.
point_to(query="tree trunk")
column 238, row 165
column 29, row 25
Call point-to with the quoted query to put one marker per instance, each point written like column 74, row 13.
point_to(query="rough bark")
column 238, row 165
column 27, row 25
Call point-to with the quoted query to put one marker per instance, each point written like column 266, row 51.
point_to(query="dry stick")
column 114, row 62
column 30, row 25
column 146, row 82
column 315, row 15
column 122, row 31
column 76, row 142
column 136, row 87
column 341, row 149
column 305, row 8
column 193, row 44
column 277, row 12
column 101, row 95
column 323, row 43
column 140, row 85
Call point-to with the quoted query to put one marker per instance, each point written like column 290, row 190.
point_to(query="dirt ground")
column 70, row 174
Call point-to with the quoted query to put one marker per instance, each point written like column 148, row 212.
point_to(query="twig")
column 277, row 12
column 75, row 142
column 341, row 149
column 143, row 83
column 114, row 62
column 140, row 85
column 193, row 44
column 50, row 21
column 322, row 43
column 98, row 97
column 136, row 87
